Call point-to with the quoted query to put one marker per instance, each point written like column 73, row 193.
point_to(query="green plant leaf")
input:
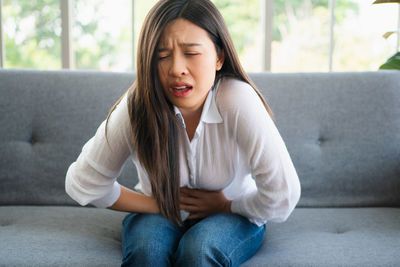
column 393, row 63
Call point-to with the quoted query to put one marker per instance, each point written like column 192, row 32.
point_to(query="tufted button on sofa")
column 341, row 129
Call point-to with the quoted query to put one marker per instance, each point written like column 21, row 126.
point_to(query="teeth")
column 182, row 88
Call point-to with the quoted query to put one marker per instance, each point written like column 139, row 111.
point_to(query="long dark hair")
column 154, row 126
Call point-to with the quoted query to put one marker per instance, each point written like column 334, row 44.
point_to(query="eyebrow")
column 163, row 49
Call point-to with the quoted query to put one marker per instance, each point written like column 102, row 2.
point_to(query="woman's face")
column 187, row 65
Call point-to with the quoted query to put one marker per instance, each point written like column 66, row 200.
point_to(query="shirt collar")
column 209, row 114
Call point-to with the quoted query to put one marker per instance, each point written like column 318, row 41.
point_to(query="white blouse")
column 236, row 148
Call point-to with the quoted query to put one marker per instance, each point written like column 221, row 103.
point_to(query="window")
column 275, row 35
column 359, row 44
column 243, row 21
column 102, row 33
column 32, row 31
column 300, row 36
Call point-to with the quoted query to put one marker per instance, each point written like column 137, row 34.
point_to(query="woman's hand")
column 201, row 203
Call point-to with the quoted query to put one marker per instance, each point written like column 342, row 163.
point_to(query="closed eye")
column 161, row 57
column 192, row 53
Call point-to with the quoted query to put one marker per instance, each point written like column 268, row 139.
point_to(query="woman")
column 198, row 131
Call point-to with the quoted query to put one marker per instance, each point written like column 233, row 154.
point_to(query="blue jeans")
column 217, row 240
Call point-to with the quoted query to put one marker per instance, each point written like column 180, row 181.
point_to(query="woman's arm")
column 92, row 177
column 131, row 201
column 278, row 186
column 263, row 152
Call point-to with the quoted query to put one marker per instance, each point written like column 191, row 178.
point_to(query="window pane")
column 300, row 36
column 102, row 33
column 359, row 44
column 32, row 31
column 243, row 21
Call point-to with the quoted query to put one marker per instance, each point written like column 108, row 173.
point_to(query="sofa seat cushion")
column 76, row 236
column 333, row 237
column 59, row 236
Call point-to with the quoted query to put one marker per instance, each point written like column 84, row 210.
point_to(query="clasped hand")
column 201, row 203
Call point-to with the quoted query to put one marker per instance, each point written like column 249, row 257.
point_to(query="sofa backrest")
column 343, row 133
column 341, row 129
column 46, row 118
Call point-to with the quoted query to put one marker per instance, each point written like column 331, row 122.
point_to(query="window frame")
column 2, row 50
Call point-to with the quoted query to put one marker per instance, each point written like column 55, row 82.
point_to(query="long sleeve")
column 278, row 186
column 92, row 178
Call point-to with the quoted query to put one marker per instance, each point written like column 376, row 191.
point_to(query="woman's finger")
column 188, row 200
column 190, row 208
column 197, row 193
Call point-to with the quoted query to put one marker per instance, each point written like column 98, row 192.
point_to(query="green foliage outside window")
column 32, row 31
column 242, row 20
column 103, row 34
column 283, row 7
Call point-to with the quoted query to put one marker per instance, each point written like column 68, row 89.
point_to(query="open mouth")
column 182, row 88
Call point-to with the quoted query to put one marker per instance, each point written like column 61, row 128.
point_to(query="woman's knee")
column 202, row 245
column 148, row 253
column 200, row 250
column 148, row 240
column 221, row 240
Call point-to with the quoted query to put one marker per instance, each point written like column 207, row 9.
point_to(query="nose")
column 178, row 66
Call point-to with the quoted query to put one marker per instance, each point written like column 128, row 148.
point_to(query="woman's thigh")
column 148, row 240
column 219, row 240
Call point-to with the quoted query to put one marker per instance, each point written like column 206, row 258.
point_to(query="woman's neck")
column 192, row 119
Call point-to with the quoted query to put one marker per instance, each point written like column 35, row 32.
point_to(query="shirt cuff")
column 110, row 198
column 236, row 207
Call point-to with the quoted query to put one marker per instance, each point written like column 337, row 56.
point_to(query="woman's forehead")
column 184, row 33
column 163, row 47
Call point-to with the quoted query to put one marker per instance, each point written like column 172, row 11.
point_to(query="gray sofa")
column 341, row 129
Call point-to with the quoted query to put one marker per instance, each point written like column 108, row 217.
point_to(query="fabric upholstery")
column 47, row 116
column 50, row 236
column 332, row 237
column 343, row 133
column 59, row 236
